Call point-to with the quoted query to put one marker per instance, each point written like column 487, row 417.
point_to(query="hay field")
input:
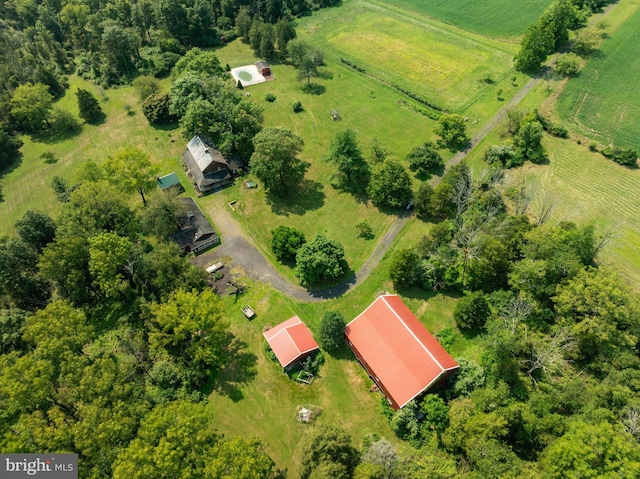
column 441, row 63
column 602, row 102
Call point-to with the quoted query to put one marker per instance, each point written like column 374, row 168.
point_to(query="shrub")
column 146, row 86
column 49, row 157
column 593, row 146
column 331, row 333
column 503, row 154
column 297, row 107
column 472, row 311
column 558, row 129
column 365, row 230
column 567, row 64
column 63, row 122
column 622, row 156
column 157, row 108
column 312, row 363
column 270, row 97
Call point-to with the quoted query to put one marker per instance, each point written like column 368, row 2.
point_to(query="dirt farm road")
column 237, row 244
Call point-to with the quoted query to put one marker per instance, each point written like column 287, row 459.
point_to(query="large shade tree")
column 30, row 106
column 275, row 160
column 320, row 260
column 390, row 185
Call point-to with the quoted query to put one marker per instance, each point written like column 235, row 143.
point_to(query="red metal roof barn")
column 397, row 351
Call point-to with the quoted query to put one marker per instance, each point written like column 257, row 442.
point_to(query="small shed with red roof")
column 397, row 351
column 291, row 342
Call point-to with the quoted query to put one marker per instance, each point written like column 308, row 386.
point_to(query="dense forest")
column 110, row 341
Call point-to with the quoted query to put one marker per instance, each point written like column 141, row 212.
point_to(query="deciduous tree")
column 390, row 185
column 472, row 310
column 327, row 445
column 36, row 229
column 452, row 130
column 275, row 160
column 189, row 329
column 131, row 170
column 320, row 260
column 286, row 241
column 331, row 332
column 425, row 159
column 30, row 105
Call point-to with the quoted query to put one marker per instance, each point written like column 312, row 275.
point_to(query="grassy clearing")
column 494, row 18
column 26, row 185
column 585, row 188
column 371, row 109
column 265, row 404
column 600, row 102
column 437, row 61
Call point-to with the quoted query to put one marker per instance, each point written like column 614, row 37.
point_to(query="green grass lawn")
column 494, row 18
column 586, row 187
column 265, row 404
column 434, row 60
column 368, row 107
column 26, row 185
column 602, row 101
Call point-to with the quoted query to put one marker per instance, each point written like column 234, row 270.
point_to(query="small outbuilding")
column 397, row 351
column 264, row 68
column 196, row 233
column 291, row 342
column 170, row 181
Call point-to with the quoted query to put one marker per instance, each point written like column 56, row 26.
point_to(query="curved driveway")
column 243, row 252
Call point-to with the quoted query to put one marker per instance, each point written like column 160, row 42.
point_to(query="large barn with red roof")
column 397, row 351
column 291, row 342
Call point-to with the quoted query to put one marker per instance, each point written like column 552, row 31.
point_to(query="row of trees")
column 551, row 31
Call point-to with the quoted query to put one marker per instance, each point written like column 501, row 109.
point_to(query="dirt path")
column 238, row 245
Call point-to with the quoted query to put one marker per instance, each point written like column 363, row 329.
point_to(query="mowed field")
column 374, row 111
column 602, row 102
column 494, row 18
column 586, row 188
column 439, row 62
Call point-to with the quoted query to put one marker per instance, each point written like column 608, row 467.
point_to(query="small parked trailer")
column 248, row 312
column 214, row 267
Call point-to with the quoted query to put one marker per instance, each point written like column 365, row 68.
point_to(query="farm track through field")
column 240, row 247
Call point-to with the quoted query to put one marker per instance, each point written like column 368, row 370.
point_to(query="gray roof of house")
column 262, row 64
column 200, row 154
column 196, row 230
